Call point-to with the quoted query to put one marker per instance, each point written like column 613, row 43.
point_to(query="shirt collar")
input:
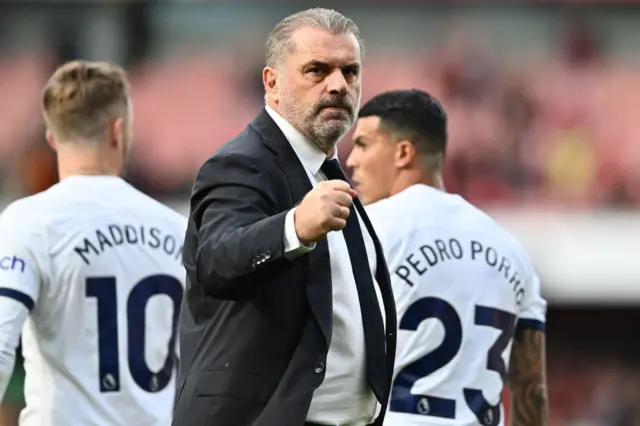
column 309, row 154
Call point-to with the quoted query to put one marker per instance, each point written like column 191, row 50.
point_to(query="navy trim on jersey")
column 531, row 324
column 18, row 296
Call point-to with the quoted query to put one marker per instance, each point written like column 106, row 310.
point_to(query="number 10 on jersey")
column 104, row 289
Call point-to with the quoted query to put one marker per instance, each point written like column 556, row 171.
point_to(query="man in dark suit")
column 282, row 323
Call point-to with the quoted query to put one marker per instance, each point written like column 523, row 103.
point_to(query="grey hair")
column 279, row 39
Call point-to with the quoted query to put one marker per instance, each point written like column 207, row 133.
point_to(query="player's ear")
column 270, row 82
column 117, row 132
column 405, row 154
column 50, row 139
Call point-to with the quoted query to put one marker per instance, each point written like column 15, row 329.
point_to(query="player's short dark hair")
column 412, row 115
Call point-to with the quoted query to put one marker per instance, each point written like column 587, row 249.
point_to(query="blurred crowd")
column 539, row 133
column 553, row 133
column 593, row 372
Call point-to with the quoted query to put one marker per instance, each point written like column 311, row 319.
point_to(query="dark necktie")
column 374, row 333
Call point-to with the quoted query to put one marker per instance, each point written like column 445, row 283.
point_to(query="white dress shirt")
column 344, row 397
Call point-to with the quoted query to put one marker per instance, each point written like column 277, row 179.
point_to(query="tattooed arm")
column 527, row 379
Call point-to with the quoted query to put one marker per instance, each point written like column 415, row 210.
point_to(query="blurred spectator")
column 468, row 68
column 580, row 45
column 35, row 168
column 571, row 165
column 519, row 111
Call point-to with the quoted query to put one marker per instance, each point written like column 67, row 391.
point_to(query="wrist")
column 304, row 241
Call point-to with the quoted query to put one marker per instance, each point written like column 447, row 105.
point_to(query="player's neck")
column 92, row 163
column 89, row 171
column 415, row 177
column 436, row 182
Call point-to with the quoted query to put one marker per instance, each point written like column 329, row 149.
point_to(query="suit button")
column 319, row 367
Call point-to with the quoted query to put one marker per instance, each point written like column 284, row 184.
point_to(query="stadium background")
column 542, row 100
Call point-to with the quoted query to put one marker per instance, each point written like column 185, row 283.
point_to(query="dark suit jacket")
column 255, row 326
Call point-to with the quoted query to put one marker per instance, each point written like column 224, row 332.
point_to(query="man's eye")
column 315, row 70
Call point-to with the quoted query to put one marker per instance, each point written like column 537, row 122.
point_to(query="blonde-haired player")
column 90, row 270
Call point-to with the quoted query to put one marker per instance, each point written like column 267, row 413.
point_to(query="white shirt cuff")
column 292, row 245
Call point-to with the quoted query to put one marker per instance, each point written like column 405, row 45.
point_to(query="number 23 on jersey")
column 403, row 401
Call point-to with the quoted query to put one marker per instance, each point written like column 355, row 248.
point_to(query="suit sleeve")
column 239, row 230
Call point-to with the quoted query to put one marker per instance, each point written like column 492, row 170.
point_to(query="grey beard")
column 326, row 138
column 323, row 135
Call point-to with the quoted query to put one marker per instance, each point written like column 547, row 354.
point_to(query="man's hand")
column 324, row 209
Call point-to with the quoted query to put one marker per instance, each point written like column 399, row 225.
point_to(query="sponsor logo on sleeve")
column 12, row 263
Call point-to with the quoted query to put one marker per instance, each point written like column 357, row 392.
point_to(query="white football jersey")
column 462, row 285
column 98, row 265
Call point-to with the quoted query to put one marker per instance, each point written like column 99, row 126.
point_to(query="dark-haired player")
column 470, row 313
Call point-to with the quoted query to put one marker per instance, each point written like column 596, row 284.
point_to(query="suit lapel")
column 317, row 263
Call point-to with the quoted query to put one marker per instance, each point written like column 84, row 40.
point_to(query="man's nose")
column 336, row 83
column 351, row 163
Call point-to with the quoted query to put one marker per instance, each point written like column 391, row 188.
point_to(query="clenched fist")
column 325, row 208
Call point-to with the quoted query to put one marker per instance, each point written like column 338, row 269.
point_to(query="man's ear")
column 405, row 154
column 50, row 139
column 270, row 82
column 116, row 132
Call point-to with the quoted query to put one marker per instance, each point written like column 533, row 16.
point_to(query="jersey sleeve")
column 533, row 307
column 12, row 317
column 22, row 257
